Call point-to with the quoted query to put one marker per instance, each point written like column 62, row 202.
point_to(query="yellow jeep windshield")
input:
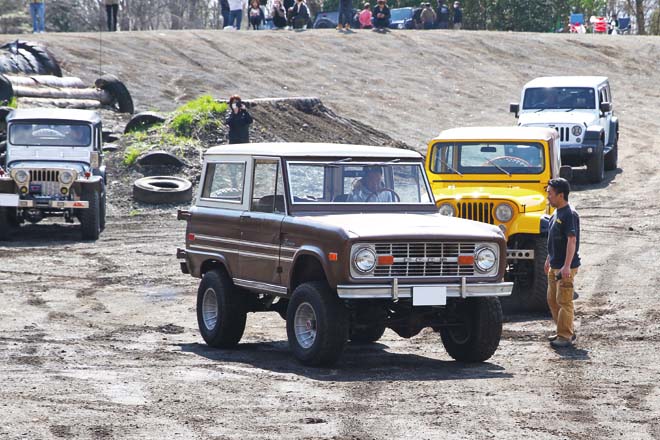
column 488, row 158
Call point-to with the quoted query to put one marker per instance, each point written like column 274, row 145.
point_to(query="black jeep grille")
column 44, row 176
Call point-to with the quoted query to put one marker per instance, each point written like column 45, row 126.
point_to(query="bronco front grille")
column 477, row 211
column 424, row 259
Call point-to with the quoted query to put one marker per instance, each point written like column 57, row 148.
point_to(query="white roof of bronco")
column 567, row 81
column 305, row 149
column 496, row 133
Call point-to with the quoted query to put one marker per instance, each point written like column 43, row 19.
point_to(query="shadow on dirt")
column 580, row 181
column 573, row 354
column 360, row 362
column 44, row 235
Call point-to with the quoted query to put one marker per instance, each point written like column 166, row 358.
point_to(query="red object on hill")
column 600, row 25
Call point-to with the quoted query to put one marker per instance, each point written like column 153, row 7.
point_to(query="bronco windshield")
column 51, row 135
column 559, row 98
column 488, row 158
column 347, row 182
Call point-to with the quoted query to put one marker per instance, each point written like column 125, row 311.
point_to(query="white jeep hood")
column 57, row 154
column 545, row 117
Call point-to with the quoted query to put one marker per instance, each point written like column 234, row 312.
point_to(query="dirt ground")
column 99, row 340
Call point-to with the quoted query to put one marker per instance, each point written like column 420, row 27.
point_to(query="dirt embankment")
column 99, row 340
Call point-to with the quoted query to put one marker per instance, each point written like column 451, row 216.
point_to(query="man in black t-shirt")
column 562, row 262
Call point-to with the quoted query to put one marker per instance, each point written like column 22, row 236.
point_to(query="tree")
column 14, row 17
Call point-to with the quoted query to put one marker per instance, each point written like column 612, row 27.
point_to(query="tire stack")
column 28, row 58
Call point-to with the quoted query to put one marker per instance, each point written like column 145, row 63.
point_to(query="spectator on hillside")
column 299, row 15
column 38, row 13
column 288, row 7
column 381, row 14
column 224, row 10
column 365, row 17
column 443, row 15
column 255, row 15
column 236, row 8
column 427, row 17
column 238, row 121
column 111, row 9
column 417, row 17
column 458, row 16
column 279, row 15
column 345, row 14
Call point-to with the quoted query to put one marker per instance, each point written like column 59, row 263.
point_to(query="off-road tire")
column 480, row 336
column 142, row 121
column 231, row 312
column 596, row 166
column 368, row 334
column 612, row 158
column 6, row 90
column 47, row 61
column 331, row 324
column 102, row 208
column 90, row 218
column 6, row 225
column 531, row 297
column 116, row 88
column 162, row 189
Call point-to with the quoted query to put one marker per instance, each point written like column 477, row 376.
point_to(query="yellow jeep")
column 498, row 175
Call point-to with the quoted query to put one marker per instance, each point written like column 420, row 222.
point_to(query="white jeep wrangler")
column 50, row 165
column 580, row 109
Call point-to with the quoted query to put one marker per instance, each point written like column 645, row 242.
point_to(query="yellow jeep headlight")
column 504, row 212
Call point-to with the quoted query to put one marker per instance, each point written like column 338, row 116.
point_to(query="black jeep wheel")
column 530, row 291
column 365, row 334
column 596, row 166
column 102, row 210
column 479, row 336
column 612, row 158
column 221, row 312
column 316, row 324
column 90, row 218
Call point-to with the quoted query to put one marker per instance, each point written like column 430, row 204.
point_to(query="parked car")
column 498, row 175
column 51, row 166
column 402, row 18
column 292, row 228
column 580, row 108
column 329, row 20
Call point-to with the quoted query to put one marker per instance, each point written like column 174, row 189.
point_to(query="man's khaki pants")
column 560, row 301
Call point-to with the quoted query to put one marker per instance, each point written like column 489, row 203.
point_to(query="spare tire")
column 162, row 189
column 143, row 120
column 6, row 90
column 116, row 88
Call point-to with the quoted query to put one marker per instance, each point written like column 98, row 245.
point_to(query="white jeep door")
column 604, row 119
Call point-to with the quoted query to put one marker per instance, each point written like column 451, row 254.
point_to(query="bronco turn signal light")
column 466, row 260
column 332, row 256
column 385, row 260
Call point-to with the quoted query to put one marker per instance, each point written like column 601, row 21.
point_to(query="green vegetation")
column 133, row 152
column 198, row 116
column 13, row 102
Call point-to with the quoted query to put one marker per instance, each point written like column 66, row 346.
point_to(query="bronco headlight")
column 364, row 260
column 504, row 212
column 21, row 176
column 576, row 130
column 485, row 259
column 66, row 177
column 447, row 209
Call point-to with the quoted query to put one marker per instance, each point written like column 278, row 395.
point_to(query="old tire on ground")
column 316, row 324
column 530, row 294
column 612, row 158
column 596, row 166
column 479, row 336
column 162, row 189
column 90, row 218
column 221, row 312
column 6, row 90
column 367, row 333
column 160, row 159
column 143, row 120
column 116, row 88
column 47, row 61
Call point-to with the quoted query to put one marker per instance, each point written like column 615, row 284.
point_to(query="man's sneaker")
column 575, row 295
column 347, row 27
column 563, row 342
column 553, row 337
column 339, row 27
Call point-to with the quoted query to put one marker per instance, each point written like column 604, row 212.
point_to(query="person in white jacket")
column 236, row 9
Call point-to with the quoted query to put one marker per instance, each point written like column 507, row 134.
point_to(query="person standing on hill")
column 562, row 262
column 365, row 17
column 443, row 15
column 224, row 10
column 458, row 16
column 345, row 14
column 299, row 15
column 236, row 8
column 111, row 9
column 238, row 121
column 427, row 17
column 279, row 15
column 256, row 15
column 38, row 13
column 381, row 15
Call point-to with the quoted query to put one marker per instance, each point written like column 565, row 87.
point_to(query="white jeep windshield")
column 559, row 98
column 53, row 135
column 347, row 182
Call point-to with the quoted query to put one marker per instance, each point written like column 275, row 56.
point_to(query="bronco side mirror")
column 566, row 172
column 514, row 107
column 605, row 107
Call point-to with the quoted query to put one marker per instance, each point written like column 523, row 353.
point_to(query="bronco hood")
column 525, row 199
column 406, row 225
column 545, row 117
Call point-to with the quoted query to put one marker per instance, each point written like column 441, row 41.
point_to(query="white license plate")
column 429, row 296
column 8, row 199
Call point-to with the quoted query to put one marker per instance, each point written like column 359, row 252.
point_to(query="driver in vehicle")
column 370, row 187
column 80, row 135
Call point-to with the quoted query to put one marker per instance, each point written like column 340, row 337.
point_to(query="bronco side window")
column 268, row 188
column 224, row 181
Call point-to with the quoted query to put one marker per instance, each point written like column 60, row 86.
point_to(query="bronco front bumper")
column 14, row 201
column 396, row 291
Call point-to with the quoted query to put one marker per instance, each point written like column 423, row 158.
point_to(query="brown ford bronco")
column 342, row 241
